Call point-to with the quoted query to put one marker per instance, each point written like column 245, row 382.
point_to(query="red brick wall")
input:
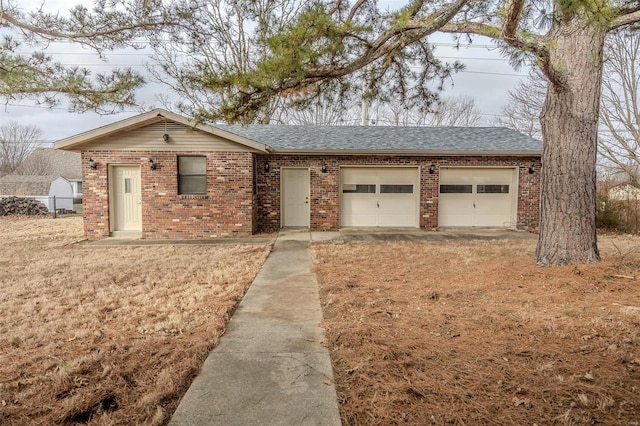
column 226, row 210
column 529, row 196
column 324, row 194
column 237, row 204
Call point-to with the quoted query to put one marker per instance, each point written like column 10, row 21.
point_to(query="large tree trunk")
column 569, row 127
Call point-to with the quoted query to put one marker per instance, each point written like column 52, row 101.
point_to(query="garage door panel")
column 393, row 202
column 399, row 220
column 457, row 211
column 362, row 211
column 491, row 220
column 453, row 219
column 495, row 203
column 395, row 211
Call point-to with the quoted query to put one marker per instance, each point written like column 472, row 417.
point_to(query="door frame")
column 283, row 195
column 514, row 194
column 111, row 169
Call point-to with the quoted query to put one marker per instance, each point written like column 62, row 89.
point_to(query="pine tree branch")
column 79, row 37
column 626, row 17
column 521, row 41
column 355, row 9
column 512, row 20
column 404, row 33
column 518, row 40
column 108, row 26
column 396, row 39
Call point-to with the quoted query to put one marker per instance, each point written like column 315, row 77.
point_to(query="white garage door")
column 478, row 197
column 379, row 196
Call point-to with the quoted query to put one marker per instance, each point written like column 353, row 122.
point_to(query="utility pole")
column 364, row 114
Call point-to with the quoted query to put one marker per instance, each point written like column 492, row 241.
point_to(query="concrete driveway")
column 345, row 234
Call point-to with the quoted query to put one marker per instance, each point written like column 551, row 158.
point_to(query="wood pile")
column 22, row 206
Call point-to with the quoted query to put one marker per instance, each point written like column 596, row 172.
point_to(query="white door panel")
column 127, row 198
column 295, row 197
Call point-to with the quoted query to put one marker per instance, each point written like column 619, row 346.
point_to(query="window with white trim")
column 192, row 174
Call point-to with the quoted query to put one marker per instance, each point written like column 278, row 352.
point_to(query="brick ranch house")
column 159, row 175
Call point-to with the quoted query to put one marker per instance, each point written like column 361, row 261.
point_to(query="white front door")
column 295, row 197
column 126, row 205
column 379, row 196
column 481, row 197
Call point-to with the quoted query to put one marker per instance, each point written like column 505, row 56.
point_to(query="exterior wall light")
column 267, row 167
column 324, row 168
column 432, row 169
column 92, row 164
column 165, row 137
column 152, row 165
column 532, row 170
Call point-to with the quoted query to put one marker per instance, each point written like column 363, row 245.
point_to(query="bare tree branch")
column 522, row 112
column 17, row 141
column 620, row 109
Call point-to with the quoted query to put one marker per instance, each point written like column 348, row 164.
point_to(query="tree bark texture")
column 569, row 126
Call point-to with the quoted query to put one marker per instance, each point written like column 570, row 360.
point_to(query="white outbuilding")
column 624, row 192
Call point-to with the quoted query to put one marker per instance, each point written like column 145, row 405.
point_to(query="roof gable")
column 106, row 135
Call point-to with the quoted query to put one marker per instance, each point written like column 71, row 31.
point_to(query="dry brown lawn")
column 107, row 335
column 474, row 333
column 419, row 332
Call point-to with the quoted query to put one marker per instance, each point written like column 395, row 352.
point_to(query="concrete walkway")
column 342, row 235
column 270, row 368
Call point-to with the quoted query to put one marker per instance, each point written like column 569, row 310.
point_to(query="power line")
column 48, row 52
column 37, row 106
column 472, row 58
column 144, row 54
column 23, row 142
column 465, row 46
column 124, row 111
column 144, row 66
column 112, row 65
column 140, row 43
column 601, row 130
column 103, row 65
column 83, row 53
column 494, row 73
column 482, row 72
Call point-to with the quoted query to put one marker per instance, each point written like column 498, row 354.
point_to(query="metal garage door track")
column 270, row 367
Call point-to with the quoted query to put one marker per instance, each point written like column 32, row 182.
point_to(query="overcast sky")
column 487, row 79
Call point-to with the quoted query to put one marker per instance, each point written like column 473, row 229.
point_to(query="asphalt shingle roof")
column 387, row 138
column 54, row 162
